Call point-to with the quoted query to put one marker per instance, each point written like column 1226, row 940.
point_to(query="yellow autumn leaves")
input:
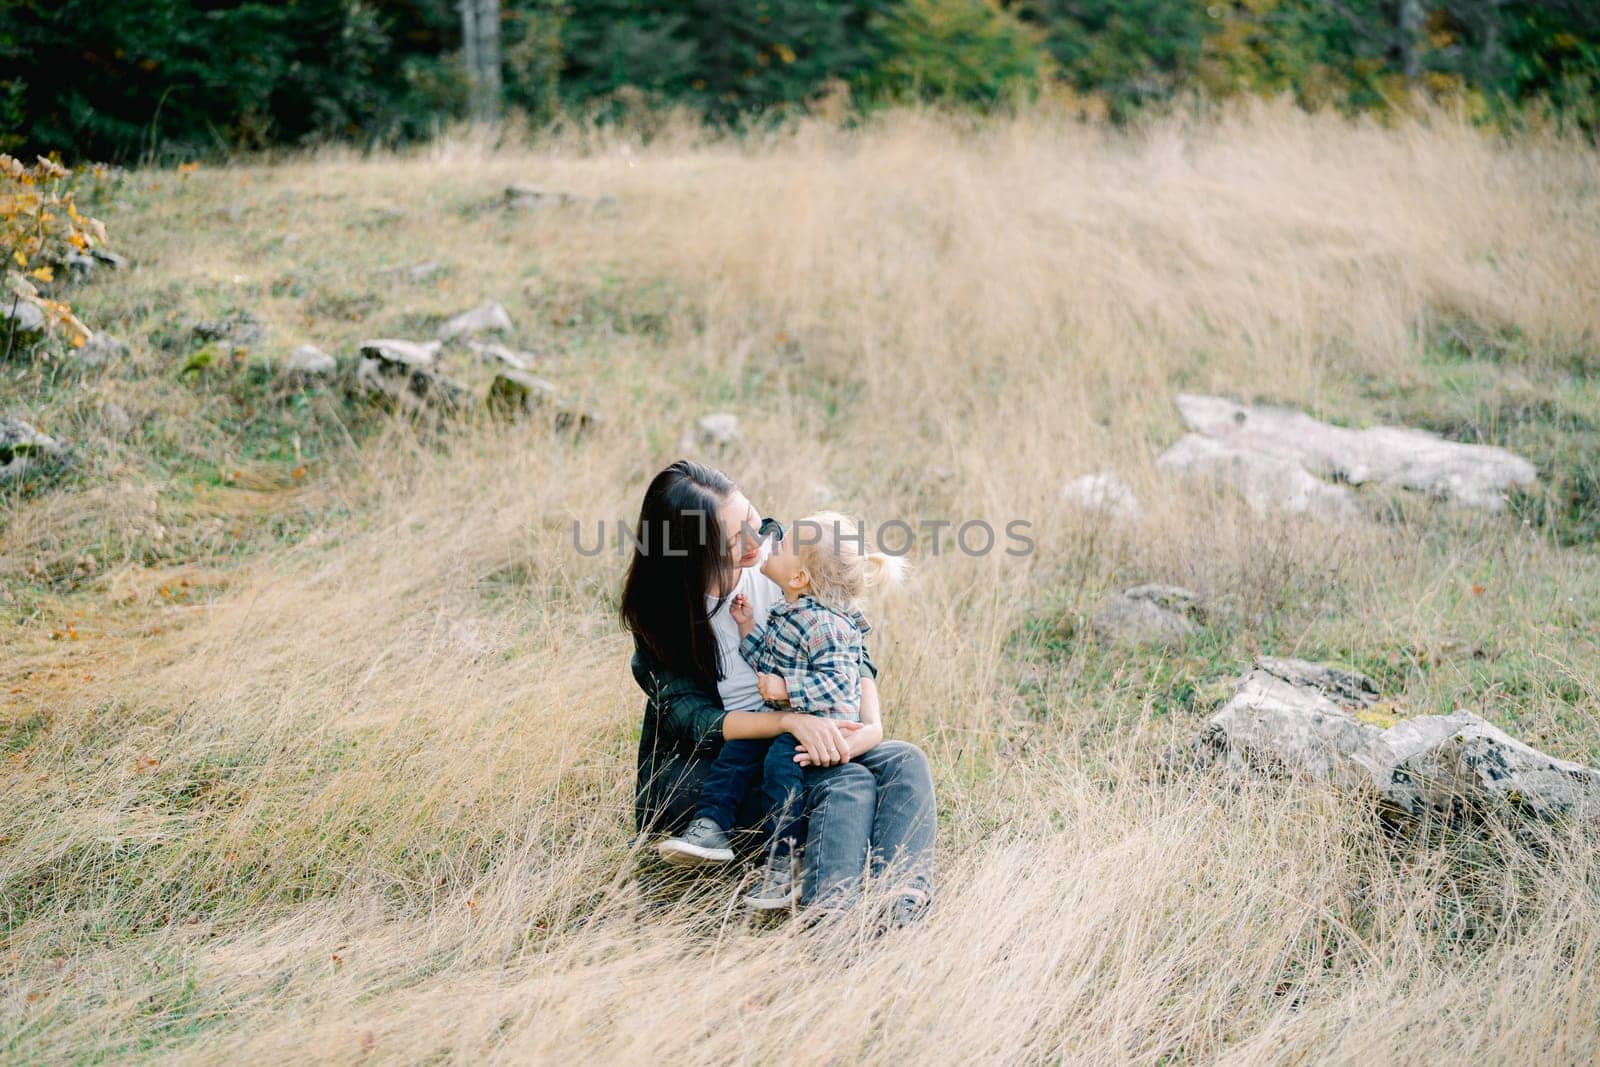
column 40, row 225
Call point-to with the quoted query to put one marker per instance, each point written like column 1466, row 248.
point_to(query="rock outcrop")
column 1476, row 476
column 406, row 373
column 85, row 264
column 236, row 329
column 24, row 450
column 115, row 421
column 488, row 317
column 309, row 363
column 1266, row 482
column 1148, row 615
column 1104, row 493
column 515, row 393
column 1296, row 717
column 99, row 350
column 527, row 196
column 714, row 432
column 493, row 352
column 20, row 316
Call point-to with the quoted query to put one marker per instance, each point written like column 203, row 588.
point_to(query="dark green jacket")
column 680, row 738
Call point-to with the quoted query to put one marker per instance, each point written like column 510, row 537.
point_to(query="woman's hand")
column 859, row 737
column 823, row 741
column 773, row 688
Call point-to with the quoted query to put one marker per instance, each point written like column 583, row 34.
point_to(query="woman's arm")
column 689, row 714
column 858, row 737
column 812, row 733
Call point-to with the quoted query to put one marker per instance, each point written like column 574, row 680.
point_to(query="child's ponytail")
column 885, row 571
column 840, row 571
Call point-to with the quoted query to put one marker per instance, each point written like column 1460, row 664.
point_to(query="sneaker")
column 906, row 910
column 703, row 843
column 779, row 887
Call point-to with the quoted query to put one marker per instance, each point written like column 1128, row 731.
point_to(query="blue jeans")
column 737, row 767
column 875, row 813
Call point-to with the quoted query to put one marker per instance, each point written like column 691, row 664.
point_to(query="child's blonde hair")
column 833, row 550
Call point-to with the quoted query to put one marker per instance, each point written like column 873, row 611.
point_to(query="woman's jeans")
column 875, row 813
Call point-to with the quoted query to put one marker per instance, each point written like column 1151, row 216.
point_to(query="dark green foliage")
column 1551, row 51
column 1133, row 51
column 130, row 79
column 971, row 51
column 724, row 57
column 531, row 53
column 113, row 79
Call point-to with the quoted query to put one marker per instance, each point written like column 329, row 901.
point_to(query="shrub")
column 969, row 51
column 40, row 229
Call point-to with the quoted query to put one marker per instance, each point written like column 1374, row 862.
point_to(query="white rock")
column 404, row 372
column 24, row 449
column 492, row 352
column 114, row 419
column 1473, row 475
column 1267, row 482
column 407, row 353
column 1103, row 492
column 309, row 361
column 1294, row 723
column 514, row 392
column 24, row 317
column 1303, row 718
column 1148, row 615
column 488, row 317
column 100, row 349
column 236, row 329
column 714, row 431
column 529, row 195
column 1458, row 764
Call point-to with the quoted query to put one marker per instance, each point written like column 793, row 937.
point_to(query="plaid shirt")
column 817, row 651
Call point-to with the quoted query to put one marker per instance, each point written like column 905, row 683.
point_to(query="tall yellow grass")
column 388, row 813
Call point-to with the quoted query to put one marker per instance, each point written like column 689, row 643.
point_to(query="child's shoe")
column 704, row 842
column 779, row 887
column 908, row 909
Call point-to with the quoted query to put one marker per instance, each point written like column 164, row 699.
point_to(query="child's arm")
column 750, row 634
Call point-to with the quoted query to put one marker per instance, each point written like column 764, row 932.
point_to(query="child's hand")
column 773, row 688
column 743, row 614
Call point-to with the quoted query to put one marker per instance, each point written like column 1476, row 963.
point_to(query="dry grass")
column 360, row 788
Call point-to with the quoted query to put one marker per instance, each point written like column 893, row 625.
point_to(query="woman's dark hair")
column 679, row 553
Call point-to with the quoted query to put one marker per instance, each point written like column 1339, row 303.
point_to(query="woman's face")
column 739, row 521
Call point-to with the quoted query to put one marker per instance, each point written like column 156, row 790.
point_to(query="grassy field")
column 318, row 732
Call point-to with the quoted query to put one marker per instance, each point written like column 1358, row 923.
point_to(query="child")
column 807, row 659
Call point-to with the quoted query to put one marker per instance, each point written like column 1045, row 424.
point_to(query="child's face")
column 783, row 565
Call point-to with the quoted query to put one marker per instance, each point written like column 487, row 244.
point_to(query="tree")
column 480, row 46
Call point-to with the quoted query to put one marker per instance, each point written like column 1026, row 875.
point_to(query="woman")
column 869, row 801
